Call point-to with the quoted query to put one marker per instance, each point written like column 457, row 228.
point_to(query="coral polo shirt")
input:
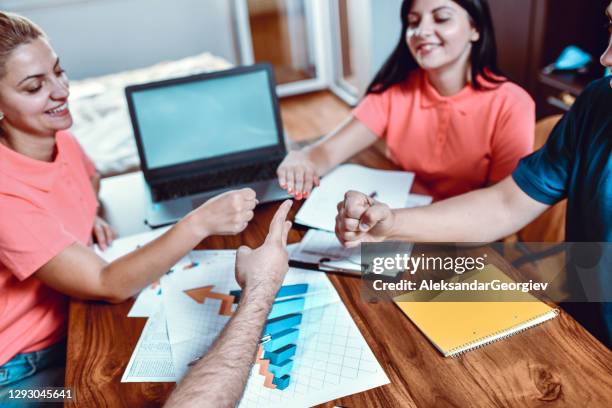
column 44, row 208
column 454, row 144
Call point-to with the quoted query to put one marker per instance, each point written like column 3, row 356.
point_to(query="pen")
column 321, row 267
column 313, row 266
column 263, row 340
column 373, row 194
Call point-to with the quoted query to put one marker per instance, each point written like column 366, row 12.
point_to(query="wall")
column 96, row 37
column 373, row 31
column 386, row 27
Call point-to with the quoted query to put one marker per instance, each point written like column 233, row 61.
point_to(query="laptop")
column 205, row 134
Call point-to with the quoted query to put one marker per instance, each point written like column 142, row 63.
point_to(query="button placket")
column 442, row 128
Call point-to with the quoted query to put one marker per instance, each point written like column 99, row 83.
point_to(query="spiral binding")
column 472, row 345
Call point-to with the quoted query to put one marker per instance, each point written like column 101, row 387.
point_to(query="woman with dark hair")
column 439, row 101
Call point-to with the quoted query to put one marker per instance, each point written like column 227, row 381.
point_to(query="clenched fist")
column 226, row 214
column 362, row 219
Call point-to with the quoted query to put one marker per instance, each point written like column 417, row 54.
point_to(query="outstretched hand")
column 267, row 265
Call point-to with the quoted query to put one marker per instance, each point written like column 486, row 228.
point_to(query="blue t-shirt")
column 576, row 163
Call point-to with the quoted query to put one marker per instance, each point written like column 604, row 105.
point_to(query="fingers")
column 248, row 194
column 244, row 200
column 250, row 205
column 348, row 238
column 355, row 204
column 110, row 233
column 243, row 250
column 351, row 224
column 357, row 214
column 248, row 216
column 277, row 225
column 373, row 216
column 100, row 235
column 286, row 229
column 290, row 181
column 239, row 206
column 305, row 180
column 299, row 183
column 352, row 244
column 242, row 221
column 309, row 182
column 281, row 172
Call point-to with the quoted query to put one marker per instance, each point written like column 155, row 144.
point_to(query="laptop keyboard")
column 214, row 180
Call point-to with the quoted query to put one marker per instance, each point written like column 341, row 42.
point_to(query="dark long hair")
column 483, row 57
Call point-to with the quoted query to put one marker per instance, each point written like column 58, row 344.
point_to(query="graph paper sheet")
column 332, row 358
column 151, row 360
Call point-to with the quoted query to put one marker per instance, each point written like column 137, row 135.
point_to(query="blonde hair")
column 15, row 30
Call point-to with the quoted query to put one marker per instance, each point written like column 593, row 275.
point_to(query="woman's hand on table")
column 298, row 174
column 103, row 233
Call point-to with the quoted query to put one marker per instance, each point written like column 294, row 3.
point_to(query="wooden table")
column 557, row 364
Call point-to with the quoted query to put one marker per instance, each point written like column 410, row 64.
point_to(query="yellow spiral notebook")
column 454, row 324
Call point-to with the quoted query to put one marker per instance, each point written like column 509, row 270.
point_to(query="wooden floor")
column 312, row 115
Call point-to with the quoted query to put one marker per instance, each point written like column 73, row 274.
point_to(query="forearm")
column 483, row 215
column 218, row 380
column 129, row 274
column 323, row 156
column 348, row 139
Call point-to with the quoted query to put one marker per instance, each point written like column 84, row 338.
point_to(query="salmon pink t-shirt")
column 44, row 208
column 454, row 144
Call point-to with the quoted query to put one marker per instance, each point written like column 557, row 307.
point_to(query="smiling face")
column 606, row 58
column 439, row 33
column 34, row 91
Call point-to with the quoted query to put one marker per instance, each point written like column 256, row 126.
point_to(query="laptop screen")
column 198, row 120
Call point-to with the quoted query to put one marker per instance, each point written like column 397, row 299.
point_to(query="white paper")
column 323, row 248
column 325, row 244
column 148, row 300
column 418, row 200
column 125, row 245
column 390, row 187
column 151, row 360
column 332, row 358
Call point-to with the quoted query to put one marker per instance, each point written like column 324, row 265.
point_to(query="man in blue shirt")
column 575, row 163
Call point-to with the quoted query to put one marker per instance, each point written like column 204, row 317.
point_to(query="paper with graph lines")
column 332, row 358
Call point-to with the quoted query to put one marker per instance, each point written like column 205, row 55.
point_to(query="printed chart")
column 330, row 358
